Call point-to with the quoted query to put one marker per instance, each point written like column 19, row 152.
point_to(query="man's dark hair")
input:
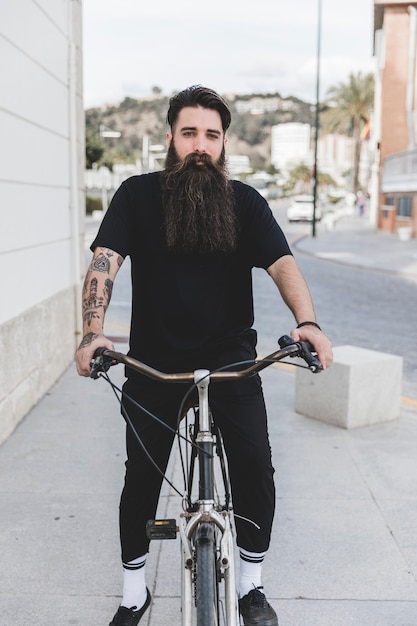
column 198, row 96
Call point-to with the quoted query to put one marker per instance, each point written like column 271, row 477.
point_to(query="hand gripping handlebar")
column 103, row 359
column 306, row 352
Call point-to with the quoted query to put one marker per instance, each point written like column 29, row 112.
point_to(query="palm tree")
column 301, row 174
column 349, row 107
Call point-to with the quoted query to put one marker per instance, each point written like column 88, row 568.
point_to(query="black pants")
column 239, row 411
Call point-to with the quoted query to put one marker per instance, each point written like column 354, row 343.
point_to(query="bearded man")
column 193, row 237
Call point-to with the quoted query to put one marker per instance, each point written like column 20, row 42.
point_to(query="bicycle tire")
column 206, row 580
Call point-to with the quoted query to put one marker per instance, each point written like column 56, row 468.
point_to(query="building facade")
column 291, row 145
column 42, row 198
column 394, row 127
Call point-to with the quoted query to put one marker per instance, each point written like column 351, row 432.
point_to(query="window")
column 404, row 207
column 388, row 207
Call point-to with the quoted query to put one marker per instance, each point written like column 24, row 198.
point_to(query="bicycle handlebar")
column 103, row 359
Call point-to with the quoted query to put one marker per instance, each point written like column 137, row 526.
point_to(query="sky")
column 232, row 46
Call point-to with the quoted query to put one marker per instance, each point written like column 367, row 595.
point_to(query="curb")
column 356, row 266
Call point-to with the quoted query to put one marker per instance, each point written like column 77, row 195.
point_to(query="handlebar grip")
column 99, row 352
column 285, row 341
column 306, row 352
column 309, row 355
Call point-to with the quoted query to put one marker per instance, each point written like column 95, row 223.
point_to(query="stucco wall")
column 41, row 198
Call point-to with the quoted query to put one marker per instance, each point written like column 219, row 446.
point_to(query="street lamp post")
column 316, row 134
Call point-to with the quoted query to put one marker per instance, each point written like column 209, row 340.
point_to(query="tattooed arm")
column 96, row 297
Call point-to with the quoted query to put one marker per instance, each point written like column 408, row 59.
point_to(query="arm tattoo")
column 93, row 302
column 108, row 288
column 96, row 294
column 86, row 281
column 101, row 263
column 89, row 316
column 87, row 340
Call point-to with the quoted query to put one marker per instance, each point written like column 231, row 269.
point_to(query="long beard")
column 199, row 215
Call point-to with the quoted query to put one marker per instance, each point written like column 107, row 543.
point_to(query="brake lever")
column 307, row 352
column 100, row 363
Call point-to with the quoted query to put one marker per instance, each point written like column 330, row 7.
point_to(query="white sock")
column 250, row 573
column 134, row 585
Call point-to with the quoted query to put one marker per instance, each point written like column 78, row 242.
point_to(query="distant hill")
column 253, row 115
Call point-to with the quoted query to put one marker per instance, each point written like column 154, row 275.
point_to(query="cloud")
column 130, row 46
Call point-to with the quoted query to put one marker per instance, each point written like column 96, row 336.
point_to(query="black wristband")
column 308, row 324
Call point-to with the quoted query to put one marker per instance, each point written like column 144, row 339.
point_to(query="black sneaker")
column 130, row 617
column 256, row 610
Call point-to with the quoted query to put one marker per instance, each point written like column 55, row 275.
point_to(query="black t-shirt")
column 183, row 305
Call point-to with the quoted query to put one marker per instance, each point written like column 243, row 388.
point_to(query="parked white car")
column 302, row 208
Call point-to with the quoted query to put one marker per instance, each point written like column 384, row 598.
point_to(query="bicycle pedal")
column 161, row 529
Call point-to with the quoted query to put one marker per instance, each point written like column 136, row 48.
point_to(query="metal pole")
column 316, row 135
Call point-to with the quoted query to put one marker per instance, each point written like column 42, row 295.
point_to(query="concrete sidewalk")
column 353, row 241
column 344, row 549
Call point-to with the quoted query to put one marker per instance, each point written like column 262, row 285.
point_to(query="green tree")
column 325, row 180
column 94, row 148
column 300, row 173
column 156, row 91
column 349, row 106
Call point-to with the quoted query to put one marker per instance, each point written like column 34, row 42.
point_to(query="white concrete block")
column 362, row 387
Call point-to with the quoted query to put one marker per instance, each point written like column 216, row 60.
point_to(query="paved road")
column 355, row 307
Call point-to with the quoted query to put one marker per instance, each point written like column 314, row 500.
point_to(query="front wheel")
column 206, row 586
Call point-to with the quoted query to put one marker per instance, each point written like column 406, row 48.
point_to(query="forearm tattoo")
column 108, row 288
column 87, row 340
column 96, row 299
column 97, row 294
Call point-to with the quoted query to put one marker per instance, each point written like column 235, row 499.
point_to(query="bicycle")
column 206, row 525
